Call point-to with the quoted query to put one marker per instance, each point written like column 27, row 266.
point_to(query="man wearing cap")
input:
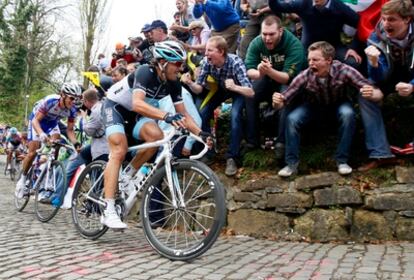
column 224, row 19
column 144, row 54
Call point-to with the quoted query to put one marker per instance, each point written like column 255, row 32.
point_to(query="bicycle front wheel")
column 86, row 214
column 183, row 232
column 49, row 188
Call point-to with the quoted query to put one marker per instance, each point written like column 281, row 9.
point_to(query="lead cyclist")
column 150, row 84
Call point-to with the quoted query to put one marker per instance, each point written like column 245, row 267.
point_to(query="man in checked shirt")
column 325, row 88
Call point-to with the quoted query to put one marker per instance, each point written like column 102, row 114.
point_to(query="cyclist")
column 13, row 144
column 43, row 124
column 151, row 83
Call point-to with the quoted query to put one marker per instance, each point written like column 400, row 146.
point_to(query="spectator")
column 323, row 20
column 118, row 73
column 257, row 11
column 120, row 52
column 199, row 37
column 224, row 19
column 144, row 54
column 390, row 64
column 273, row 59
column 105, row 81
column 324, row 89
column 230, row 73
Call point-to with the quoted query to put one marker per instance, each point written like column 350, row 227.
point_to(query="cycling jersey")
column 146, row 79
column 14, row 140
column 52, row 111
column 121, row 92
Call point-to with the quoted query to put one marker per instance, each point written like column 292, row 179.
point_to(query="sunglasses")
column 177, row 63
column 74, row 98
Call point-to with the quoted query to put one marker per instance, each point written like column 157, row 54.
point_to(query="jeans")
column 236, row 132
column 376, row 140
column 304, row 113
column 71, row 165
column 263, row 91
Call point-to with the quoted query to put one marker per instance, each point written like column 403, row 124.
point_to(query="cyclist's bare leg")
column 28, row 160
column 9, row 156
column 118, row 145
column 149, row 132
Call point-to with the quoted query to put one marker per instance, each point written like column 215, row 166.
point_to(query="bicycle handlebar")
column 55, row 143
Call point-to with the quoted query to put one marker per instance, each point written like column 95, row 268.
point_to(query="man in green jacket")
column 273, row 59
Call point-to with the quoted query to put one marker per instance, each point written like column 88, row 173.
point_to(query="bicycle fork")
column 173, row 184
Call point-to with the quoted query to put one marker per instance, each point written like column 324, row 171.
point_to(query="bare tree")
column 93, row 15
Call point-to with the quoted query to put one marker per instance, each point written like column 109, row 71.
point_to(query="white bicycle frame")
column 165, row 155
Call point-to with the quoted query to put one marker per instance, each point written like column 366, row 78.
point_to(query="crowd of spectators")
column 307, row 72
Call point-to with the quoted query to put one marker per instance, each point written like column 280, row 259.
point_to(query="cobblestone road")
column 33, row 250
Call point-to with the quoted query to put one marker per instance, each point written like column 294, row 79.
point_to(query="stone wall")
column 322, row 207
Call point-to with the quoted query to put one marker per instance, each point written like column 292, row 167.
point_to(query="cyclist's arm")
column 189, row 121
column 71, row 132
column 143, row 108
column 36, row 123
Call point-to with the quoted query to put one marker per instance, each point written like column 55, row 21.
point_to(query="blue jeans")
column 263, row 91
column 376, row 140
column 206, row 113
column 72, row 164
column 303, row 114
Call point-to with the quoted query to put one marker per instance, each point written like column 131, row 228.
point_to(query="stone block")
column 390, row 201
column 338, row 195
column 289, row 200
column 258, row 223
column 317, row 180
column 368, row 226
column 404, row 229
column 323, row 225
column 272, row 183
column 404, row 174
column 246, row 196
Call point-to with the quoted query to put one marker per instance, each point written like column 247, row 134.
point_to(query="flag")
column 369, row 12
column 93, row 77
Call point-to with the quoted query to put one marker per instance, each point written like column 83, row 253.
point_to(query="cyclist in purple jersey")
column 43, row 124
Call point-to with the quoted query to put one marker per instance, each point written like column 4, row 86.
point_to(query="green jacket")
column 288, row 56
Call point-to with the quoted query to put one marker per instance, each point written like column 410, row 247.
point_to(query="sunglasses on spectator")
column 177, row 63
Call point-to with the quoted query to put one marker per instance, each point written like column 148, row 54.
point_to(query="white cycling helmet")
column 170, row 51
column 72, row 89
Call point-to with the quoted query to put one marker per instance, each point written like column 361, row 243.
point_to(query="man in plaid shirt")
column 229, row 71
column 325, row 87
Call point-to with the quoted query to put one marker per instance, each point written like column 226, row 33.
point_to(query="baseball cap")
column 135, row 39
column 146, row 28
column 158, row 24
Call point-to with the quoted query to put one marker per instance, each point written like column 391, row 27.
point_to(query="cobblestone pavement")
column 33, row 250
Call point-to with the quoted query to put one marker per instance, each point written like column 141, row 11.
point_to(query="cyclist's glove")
column 205, row 135
column 170, row 118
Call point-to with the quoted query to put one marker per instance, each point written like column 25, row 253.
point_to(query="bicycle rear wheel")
column 86, row 214
column 44, row 208
column 20, row 203
column 183, row 232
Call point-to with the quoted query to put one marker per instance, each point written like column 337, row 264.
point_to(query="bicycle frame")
column 165, row 156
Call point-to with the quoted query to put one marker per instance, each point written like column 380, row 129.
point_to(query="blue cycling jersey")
column 52, row 111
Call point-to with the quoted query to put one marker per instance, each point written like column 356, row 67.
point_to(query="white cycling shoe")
column 19, row 192
column 112, row 220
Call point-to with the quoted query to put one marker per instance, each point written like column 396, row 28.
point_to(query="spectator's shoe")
column 20, row 186
column 344, row 169
column 231, row 167
column 112, row 220
column 379, row 162
column 288, row 171
column 279, row 151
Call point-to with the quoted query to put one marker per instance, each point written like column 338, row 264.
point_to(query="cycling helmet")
column 13, row 131
column 72, row 89
column 169, row 50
